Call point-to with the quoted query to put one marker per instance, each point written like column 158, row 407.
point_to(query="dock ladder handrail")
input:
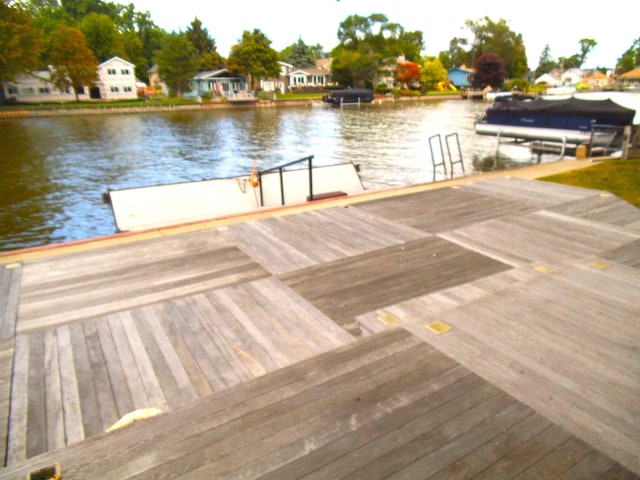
column 280, row 170
column 443, row 162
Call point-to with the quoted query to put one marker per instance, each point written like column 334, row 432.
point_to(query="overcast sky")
column 561, row 24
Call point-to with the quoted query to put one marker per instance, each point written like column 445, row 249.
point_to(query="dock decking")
column 296, row 346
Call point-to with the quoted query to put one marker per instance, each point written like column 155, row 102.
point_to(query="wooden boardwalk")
column 296, row 346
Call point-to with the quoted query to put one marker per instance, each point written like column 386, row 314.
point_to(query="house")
column 597, row 80
column 281, row 83
column 116, row 80
column 155, row 82
column 629, row 79
column 216, row 83
column 571, row 77
column 461, row 77
column 36, row 87
column 548, row 79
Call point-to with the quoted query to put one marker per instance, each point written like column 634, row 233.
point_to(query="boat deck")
column 314, row 343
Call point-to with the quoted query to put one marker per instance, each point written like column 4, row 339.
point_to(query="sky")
column 560, row 24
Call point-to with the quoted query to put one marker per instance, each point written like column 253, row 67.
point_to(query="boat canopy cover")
column 571, row 107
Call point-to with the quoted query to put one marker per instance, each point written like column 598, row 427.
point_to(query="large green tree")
column 20, row 43
column 205, row 46
column 630, row 59
column 101, row 36
column 74, row 65
column 254, row 57
column 369, row 47
column 177, row 62
column 498, row 38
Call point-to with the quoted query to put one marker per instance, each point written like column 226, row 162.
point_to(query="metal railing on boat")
column 280, row 169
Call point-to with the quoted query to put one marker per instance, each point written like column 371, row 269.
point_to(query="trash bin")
column 581, row 152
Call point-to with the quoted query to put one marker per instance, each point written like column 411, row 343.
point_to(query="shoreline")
column 63, row 111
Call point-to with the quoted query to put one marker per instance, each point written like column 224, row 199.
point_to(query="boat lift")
column 442, row 163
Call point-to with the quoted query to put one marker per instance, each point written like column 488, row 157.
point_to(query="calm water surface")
column 54, row 170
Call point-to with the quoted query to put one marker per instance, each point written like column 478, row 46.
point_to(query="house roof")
column 114, row 59
column 310, row 71
column 635, row 73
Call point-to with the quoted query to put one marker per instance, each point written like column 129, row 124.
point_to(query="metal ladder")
column 442, row 163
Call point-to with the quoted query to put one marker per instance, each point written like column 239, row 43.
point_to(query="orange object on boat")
column 254, row 180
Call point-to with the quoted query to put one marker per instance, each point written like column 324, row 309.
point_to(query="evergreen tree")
column 546, row 62
column 177, row 62
column 630, row 59
column 299, row 55
column 205, row 46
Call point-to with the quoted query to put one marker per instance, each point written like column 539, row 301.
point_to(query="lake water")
column 54, row 170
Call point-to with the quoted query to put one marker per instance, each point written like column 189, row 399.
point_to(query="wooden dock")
column 485, row 330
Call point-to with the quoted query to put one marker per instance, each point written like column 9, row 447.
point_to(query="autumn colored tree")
column 489, row 71
column 407, row 73
column 74, row 65
column 19, row 43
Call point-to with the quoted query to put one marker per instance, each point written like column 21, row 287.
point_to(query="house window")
column 12, row 90
column 111, row 71
column 43, row 90
column 127, row 89
column 124, row 71
column 28, row 91
column 115, row 89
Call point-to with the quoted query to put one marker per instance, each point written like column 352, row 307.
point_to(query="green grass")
column 100, row 104
column 619, row 177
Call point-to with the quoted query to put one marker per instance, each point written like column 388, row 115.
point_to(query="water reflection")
column 54, row 170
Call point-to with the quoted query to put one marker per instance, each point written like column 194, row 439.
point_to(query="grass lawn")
column 620, row 177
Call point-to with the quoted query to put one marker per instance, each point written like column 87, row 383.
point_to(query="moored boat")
column 571, row 120
column 348, row 96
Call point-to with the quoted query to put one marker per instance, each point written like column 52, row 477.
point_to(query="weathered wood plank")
column 36, row 409
column 151, row 273
column 100, row 454
column 10, row 280
column 287, row 243
column 446, row 209
column 72, row 412
column 54, row 418
column 6, row 372
column 347, row 288
column 17, row 436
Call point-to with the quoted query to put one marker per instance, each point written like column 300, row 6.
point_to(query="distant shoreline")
column 62, row 111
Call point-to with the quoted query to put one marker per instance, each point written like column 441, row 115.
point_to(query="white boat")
column 142, row 208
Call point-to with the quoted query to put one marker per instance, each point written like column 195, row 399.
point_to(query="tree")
column 433, row 72
column 20, row 44
column 546, row 62
column 497, row 37
column 205, row 46
column 254, row 57
column 370, row 46
column 101, row 36
column 74, row 65
column 407, row 73
column 456, row 56
column 489, row 71
column 630, row 59
column 299, row 55
column 177, row 62
column 586, row 46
